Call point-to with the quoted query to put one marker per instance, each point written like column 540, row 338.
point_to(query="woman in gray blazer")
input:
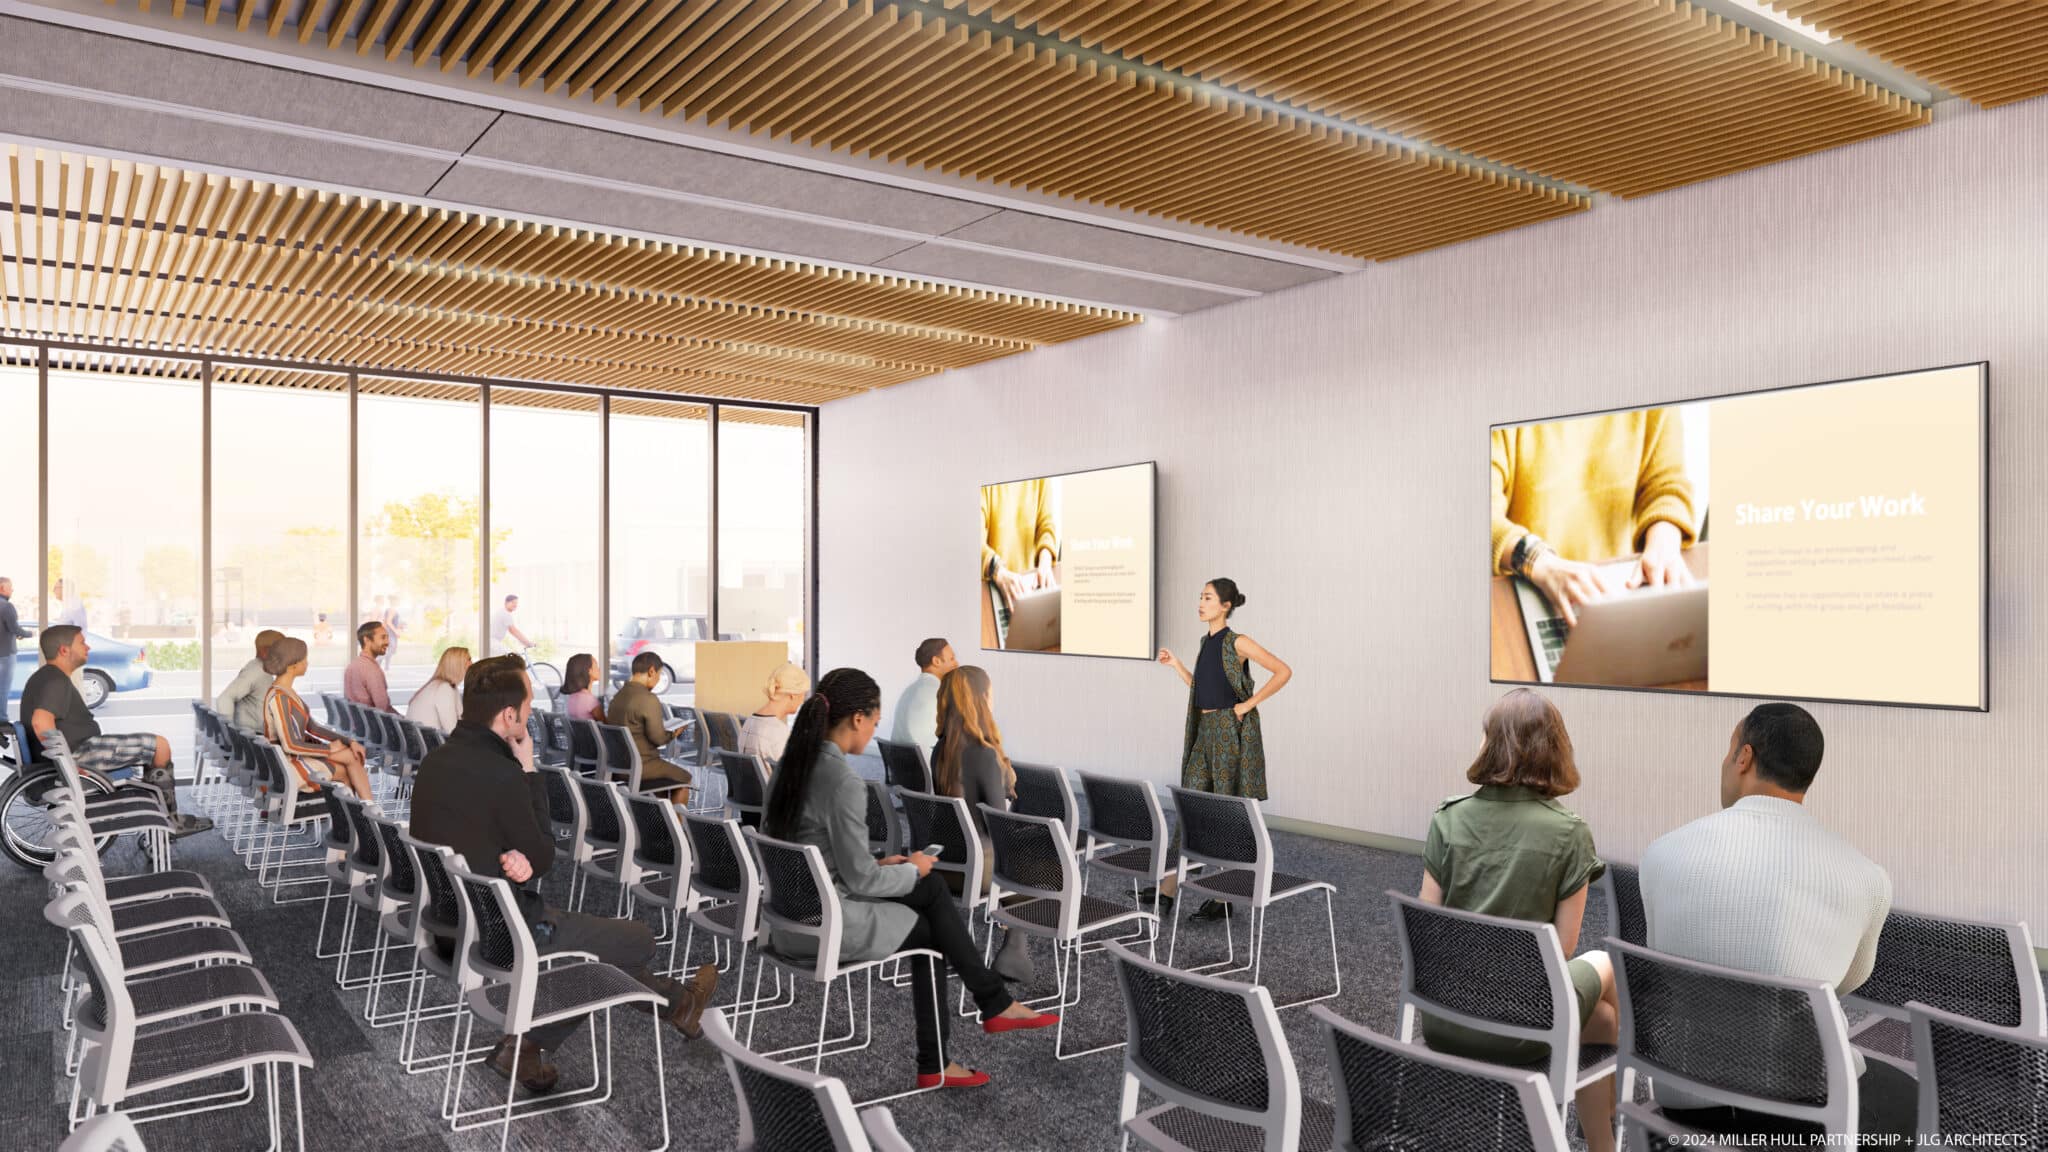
column 886, row 905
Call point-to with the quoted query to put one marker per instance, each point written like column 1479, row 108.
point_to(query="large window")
column 125, row 453
column 280, row 519
column 20, row 543
column 763, row 508
column 418, row 469
column 547, row 460
column 660, row 535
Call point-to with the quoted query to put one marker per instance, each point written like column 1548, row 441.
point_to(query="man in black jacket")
column 480, row 795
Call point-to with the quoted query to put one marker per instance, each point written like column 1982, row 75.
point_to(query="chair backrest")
column 1977, row 1077
column 1226, row 832
column 1395, row 1095
column 782, row 1107
column 556, row 747
column 797, row 896
column 1765, row 1043
column 882, row 829
column 565, row 795
column 904, row 766
column 602, row 827
column 394, row 734
column 416, row 747
column 746, row 781
column 586, row 749
column 1033, row 859
column 105, row 1017
column 1624, row 890
column 438, row 912
column 397, row 878
column 1043, row 790
column 496, row 945
column 1125, row 812
column 107, row 1132
column 1984, row 970
column 946, row 821
column 621, row 755
column 365, row 856
column 1210, row 1045
column 724, row 730
column 1501, row 976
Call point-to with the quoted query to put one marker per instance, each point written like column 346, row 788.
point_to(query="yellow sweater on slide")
column 1590, row 487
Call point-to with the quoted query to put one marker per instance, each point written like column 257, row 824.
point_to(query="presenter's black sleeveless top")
column 1212, row 684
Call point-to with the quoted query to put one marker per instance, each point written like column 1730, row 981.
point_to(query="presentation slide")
column 1066, row 563
column 1844, row 523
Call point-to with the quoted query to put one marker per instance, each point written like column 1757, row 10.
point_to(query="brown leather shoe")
column 537, row 1074
column 686, row 1007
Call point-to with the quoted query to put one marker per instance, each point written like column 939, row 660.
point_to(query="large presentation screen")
column 1824, row 542
column 1066, row 563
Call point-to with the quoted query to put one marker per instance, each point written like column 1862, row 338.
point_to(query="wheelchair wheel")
column 29, row 834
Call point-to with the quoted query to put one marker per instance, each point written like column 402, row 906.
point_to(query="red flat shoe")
column 933, row 1080
column 1021, row 1023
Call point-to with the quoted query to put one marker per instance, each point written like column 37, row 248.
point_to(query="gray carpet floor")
column 357, row 1097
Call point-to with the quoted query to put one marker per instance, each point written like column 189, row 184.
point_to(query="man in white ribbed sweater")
column 1762, row 887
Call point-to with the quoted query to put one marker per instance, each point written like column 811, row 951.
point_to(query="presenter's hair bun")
column 1227, row 593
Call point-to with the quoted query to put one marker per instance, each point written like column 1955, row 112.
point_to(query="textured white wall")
column 1325, row 447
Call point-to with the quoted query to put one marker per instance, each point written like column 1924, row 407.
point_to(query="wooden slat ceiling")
column 1991, row 53
column 1623, row 96
column 145, row 256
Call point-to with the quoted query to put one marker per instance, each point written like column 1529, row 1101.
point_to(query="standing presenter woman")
column 1223, row 752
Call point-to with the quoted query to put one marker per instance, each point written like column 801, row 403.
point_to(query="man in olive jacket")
column 480, row 795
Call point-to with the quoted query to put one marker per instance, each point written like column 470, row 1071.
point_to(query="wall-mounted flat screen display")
column 1824, row 542
column 1066, row 563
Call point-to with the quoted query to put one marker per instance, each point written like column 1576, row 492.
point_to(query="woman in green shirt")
column 1510, row 849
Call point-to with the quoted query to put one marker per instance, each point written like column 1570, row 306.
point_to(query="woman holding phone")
column 1223, row 751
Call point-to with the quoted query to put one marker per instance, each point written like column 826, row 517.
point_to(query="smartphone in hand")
column 933, row 850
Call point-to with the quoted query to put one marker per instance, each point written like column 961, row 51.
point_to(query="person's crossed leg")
column 119, row 756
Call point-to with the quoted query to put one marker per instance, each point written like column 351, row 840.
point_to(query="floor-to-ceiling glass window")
column 280, row 520
column 763, row 506
column 124, row 479
column 22, row 542
column 547, row 474
column 660, row 535
column 419, row 465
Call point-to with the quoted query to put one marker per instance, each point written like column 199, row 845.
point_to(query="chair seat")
column 660, row 889
column 204, row 989
column 1237, row 884
column 577, row 989
column 1201, row 1132
column 170, row 910
column 205, row 944
column 120, row 822
column 1590, row 1055
column 1134, row 861
column 210, row 1047
column 1884, row 1036
column 147, row 884
column 107, row 803
column 720, row 917
column 1045, row 914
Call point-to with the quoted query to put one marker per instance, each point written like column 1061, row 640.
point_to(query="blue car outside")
column 112, row 667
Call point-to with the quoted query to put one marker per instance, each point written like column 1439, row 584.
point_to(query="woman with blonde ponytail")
column 886, row 905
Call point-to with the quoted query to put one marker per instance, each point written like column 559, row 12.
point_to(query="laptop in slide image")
column 1034, row 624
column 1639, row 638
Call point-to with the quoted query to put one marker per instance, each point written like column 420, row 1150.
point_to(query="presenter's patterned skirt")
column 1225, row 756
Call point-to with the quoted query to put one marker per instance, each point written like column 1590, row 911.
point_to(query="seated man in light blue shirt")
column 917, row 710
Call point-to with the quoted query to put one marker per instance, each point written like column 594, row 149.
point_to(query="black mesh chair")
column 1213, row 1051
column 799, row 899
column 1499, row 976
column 722, row 732
column 884, row 833
column 1033, row 861
column 125, row 1069
column 1977, row 1078
column 1126, row 832
column 1227, row 836
column 1043, row 790
column 904, row 766
column 746, row 786
column 784, row 1108
column 1979, row 969
column 1392, row 1096
column 946, row 821
column 586, row 749
column 555, row 749
column 436, row 929
column 362, row 870
column 607, row 847
column 518, row 990
column 1624, row 890
column 567, row 790
column 727, row 887
column 397, row 890
column 661, row 860
column 1761, row 1043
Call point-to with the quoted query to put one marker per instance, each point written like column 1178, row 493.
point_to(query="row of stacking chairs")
column 395, row 744
column 159, row 990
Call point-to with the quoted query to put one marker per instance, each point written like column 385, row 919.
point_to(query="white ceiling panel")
column 1070, row 240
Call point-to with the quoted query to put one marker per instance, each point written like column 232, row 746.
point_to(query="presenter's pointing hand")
column 1167, row 658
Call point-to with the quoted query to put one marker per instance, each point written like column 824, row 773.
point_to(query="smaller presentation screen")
column 1066, row 563
column 1845, row 524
